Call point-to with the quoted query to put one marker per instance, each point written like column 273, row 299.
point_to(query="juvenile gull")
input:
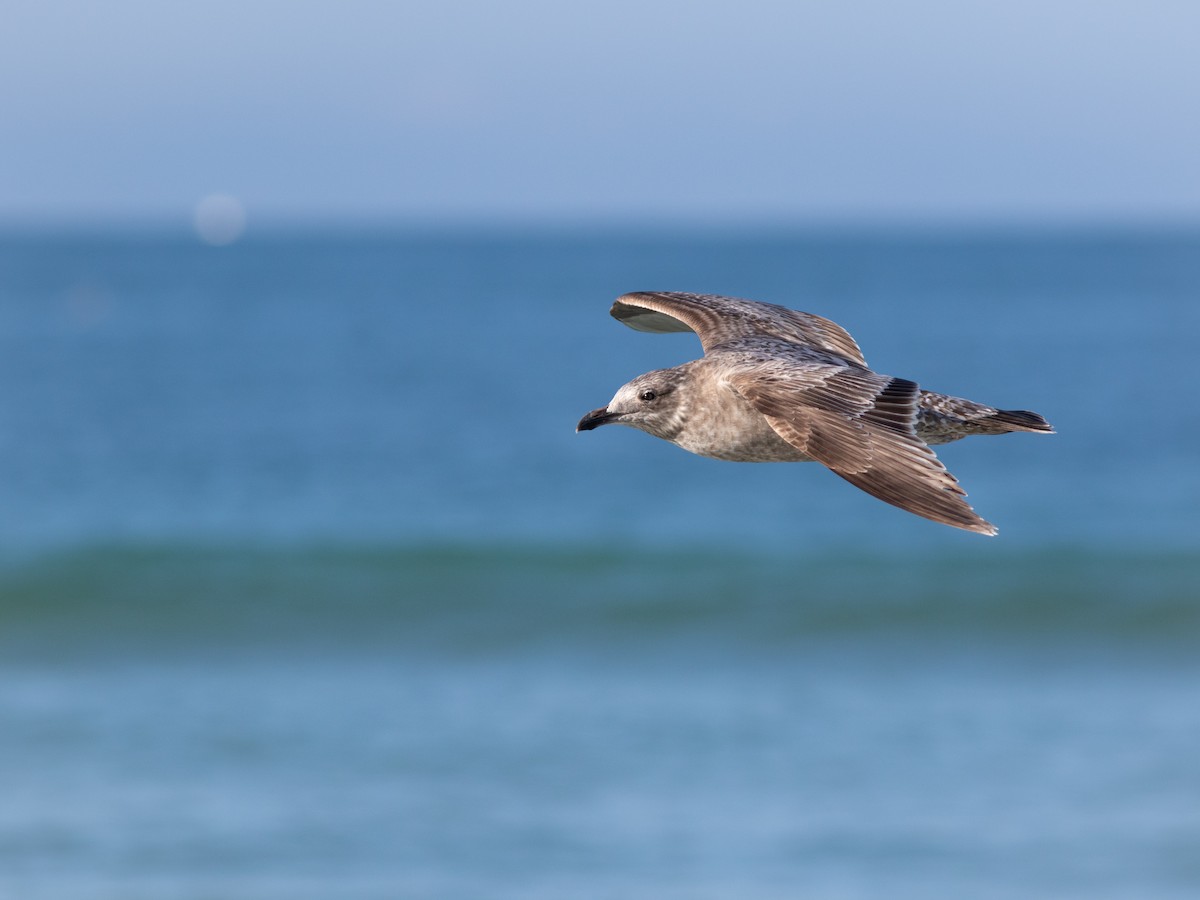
column 778, row 385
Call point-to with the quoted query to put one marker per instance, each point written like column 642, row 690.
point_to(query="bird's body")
column 777, row 385
column 720, row 423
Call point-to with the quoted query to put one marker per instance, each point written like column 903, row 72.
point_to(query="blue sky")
column 700, row 111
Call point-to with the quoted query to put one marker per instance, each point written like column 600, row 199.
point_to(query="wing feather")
column 861, row 426
column 718, row 320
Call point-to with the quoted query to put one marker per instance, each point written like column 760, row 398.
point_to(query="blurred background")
column 308, row 588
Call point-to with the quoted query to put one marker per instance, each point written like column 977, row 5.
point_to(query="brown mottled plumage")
column 778, row 385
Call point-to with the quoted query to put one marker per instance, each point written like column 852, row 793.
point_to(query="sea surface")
column 308, row 588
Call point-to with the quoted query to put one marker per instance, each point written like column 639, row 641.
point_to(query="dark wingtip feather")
column 1022, row 420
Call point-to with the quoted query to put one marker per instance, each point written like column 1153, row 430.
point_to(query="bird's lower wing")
column 861, row 426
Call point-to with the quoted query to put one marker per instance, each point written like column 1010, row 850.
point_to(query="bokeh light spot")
column 220, row 219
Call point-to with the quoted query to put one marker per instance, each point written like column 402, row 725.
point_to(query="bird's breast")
column 733, row 430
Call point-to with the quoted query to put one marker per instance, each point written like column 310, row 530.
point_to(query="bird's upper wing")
column 858, row 423
column 720, row 319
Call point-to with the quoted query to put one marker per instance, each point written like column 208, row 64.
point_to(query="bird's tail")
column 941, row 419
column 1005, row 420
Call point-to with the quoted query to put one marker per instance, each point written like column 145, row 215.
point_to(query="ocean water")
column 309, row 589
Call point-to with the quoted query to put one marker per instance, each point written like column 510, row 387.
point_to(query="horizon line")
column 282, row 225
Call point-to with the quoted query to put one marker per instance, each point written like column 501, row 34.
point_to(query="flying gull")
column 778, row 385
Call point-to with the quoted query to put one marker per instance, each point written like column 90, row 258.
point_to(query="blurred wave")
column 143, row 597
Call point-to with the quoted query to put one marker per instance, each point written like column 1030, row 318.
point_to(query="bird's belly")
column 738, row 435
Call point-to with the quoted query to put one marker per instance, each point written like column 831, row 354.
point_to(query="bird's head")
column 652, row 402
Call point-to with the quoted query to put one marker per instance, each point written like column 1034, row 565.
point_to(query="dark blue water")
column 309, row 588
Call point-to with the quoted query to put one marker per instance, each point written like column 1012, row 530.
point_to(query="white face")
column 649, row 402
column 654, row 402
column 626, row 399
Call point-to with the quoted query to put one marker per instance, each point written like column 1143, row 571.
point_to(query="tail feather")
column 942, row 418
column 1021, row 420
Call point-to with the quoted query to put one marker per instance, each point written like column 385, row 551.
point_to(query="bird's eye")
column 648, row 395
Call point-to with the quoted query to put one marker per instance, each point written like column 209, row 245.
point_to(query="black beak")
column 595, row 419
